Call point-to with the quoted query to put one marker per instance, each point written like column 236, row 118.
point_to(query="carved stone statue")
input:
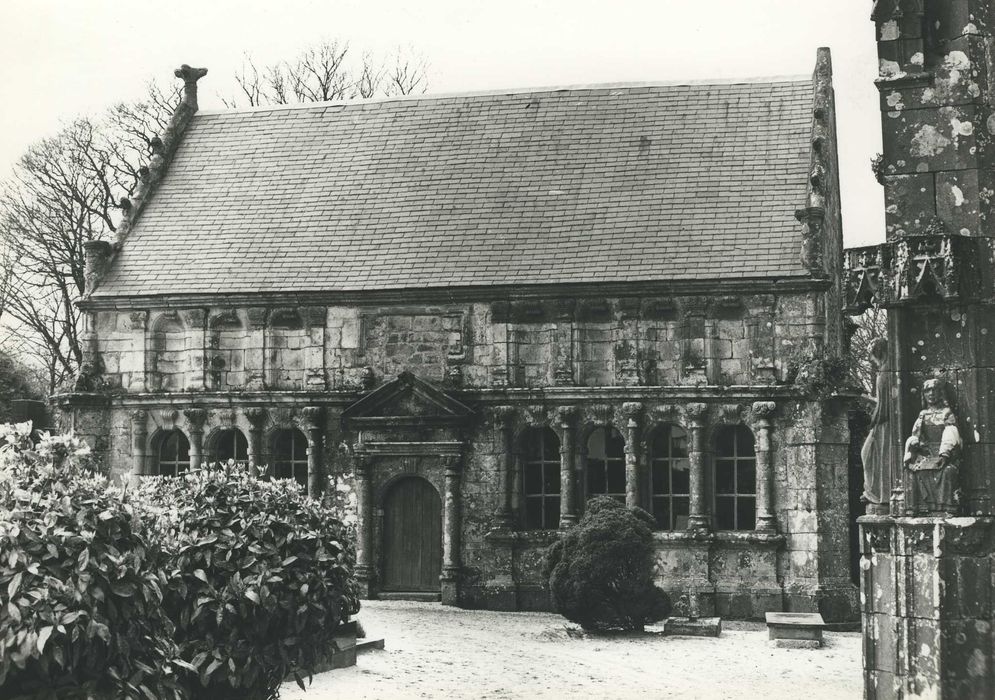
column 932, row 454
column 878, row 452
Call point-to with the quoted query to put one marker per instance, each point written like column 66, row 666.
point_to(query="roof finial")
column 190, row 77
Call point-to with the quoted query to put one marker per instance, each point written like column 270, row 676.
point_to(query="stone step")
column 417, row 596
column 364, row 644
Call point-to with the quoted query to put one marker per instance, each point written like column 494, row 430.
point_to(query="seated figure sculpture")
column 932, row 455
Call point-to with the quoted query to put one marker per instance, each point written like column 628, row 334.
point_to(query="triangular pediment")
column 404, row 401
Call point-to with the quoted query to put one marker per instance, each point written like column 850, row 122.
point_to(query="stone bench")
column 798, row 630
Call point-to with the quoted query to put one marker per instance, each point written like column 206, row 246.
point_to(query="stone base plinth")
column 700, row 627
column 803, row 627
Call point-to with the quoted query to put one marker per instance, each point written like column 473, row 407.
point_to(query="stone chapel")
column 480, row 310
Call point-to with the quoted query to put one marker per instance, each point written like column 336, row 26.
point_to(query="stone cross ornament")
column 933, row 455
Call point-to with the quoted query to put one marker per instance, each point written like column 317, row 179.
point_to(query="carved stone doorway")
column 412, row 537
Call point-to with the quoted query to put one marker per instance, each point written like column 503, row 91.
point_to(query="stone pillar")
column 255, row 353
column 563, row 344
column 195, row 426
column 364, row 525
column 194, row 320
column 257, row 418
column 138, row 322
column 700, row 517
column 567, row 416
column 311, row 421
column 506, row 472
column 766, row 520
column 139, row 438
column 632, row 410
column 451, row 530
column 314, row 357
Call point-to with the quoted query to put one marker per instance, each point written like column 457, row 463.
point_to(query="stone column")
column 632, row 410
column 506, row 473
column 257, row 418
column 567, row 416
column 766, row 520
column 451, row 531
column 139, row 438
column 195, row 426
column 194, row 320
column 311, row 421
column 700, row 517
column 364, row 524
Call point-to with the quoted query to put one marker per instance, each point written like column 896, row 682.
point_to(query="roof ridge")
column 579, row 87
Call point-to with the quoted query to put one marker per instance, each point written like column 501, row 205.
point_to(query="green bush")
column 213, row 584
column 601, row 572
column 80, row 592
column 260, row 577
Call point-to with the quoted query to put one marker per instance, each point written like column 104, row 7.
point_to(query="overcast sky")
column 59, row 59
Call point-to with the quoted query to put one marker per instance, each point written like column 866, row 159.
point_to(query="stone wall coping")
column 528, row 396
column 728, row 537
column 480, row 294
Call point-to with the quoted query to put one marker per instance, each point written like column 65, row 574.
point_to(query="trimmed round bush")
column 600, row 572
column 260, row 577
column 80, row 591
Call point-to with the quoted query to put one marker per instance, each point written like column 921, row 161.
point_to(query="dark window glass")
column 230, row 445
column 174, row 454
column 541, row 479
column 606, row 464
column 670, row 477
column 290, row 456
column 735, row 479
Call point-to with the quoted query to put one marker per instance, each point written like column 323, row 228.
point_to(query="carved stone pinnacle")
column 190, row 77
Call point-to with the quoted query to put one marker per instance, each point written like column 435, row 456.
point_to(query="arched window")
column 229, row 444
column 670, row 482
column 735, row 479
column 290, row 455
column 541, row 479
column 174, row 454
column 606, row 464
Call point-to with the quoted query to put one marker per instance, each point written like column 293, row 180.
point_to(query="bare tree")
column 869, row 325
column 329, row 71
column 64, row 192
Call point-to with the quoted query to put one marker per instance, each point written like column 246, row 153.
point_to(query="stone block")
column 795, row 626
column 700, row 627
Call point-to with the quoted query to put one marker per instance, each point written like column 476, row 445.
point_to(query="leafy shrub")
column 260, row 577
column 80, row 593
column 819, row 377
column 601, row 572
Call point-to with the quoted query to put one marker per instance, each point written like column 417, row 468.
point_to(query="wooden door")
column 412, row 536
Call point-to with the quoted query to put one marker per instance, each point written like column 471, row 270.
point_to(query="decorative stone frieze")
column 934, row 267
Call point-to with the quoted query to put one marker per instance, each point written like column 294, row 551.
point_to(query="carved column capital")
column 168, row 416
column 452, row 464
column 361, row 463
column 256, row 416
column 139, row 418
column 632, row 410
column 506, row 415
column 196, row 417
column 763, row 411
column 311, row 417
column 566, row 415
column 138, row 319
column 697, row 414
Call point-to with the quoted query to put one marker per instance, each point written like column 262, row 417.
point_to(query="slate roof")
column 594, row 184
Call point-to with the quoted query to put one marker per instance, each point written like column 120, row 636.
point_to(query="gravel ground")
column 441, row 652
